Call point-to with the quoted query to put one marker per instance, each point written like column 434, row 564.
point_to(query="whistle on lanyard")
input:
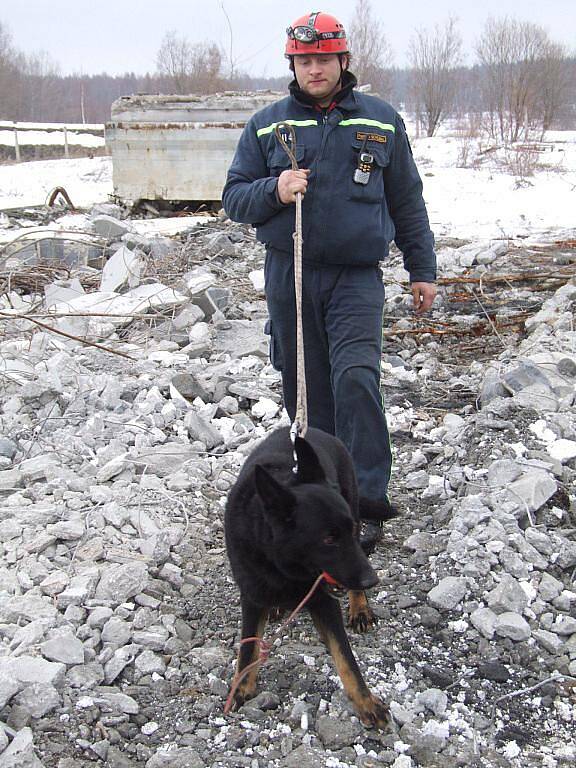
column 365, row 162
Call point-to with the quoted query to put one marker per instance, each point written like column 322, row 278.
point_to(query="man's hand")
column 290, row 183
column 423, row 295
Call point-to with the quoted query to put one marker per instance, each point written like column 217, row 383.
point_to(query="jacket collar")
column 345, row 98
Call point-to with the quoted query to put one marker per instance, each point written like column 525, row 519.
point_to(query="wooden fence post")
column 16, row 145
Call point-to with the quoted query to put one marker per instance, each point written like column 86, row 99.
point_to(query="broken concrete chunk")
column 531, row 491
column 11, row 479
column 9, row 687
column 562, row 450
column 548, row 640
column 512, row 625
column 198, row 280
column 187, row 317
column 502, row 472
column 67, row 530
column 32, row 669
column 20, row 753
column 124, row 267
column 65, row 648
column 155, row 296
column 181, row 757
column 524, row 375
column 27, row 607
column 107, row 226
column 38, row 699
column 244, row 337
column 121, row 582
column 448, row 593
column 114, row 701
column 484, row 619
column 508, row 595
column 61, row 291
column 164, row 460
column 199, row 429
column 540, row 397
column 81, row 588
column 188, row 387
column 38, row 467
column 257, row 279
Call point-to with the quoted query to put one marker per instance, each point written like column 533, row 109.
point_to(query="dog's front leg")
column 360, row 615
column 254, row 619
column 327, row 617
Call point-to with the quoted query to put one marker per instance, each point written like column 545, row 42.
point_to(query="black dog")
column 282, row 531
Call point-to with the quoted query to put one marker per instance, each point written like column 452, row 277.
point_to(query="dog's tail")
column 376, row 511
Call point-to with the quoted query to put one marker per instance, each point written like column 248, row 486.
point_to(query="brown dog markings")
column 371, row 710
column 327, row 618
column 360, row 615
column 253, row 625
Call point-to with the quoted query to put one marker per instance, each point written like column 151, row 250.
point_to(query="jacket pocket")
column 279, row 161
column 373, row 190
column 274, row 350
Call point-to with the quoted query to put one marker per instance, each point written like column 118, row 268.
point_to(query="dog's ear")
column 277, row 500
column 309, row 467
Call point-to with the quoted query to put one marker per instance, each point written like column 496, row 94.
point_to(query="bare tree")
column 553, row 83
column 435, row 56
column 40, row 85
column 189, row 67
column 231, row 45
column 372, row 55
column 523, row 77
column 10, row 61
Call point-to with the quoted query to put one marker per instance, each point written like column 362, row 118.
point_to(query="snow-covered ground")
column 484, row 201
column 488, row 201
column 51, row 134
column 87, row 181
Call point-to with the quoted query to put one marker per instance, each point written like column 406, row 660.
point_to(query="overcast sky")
column 115, row 36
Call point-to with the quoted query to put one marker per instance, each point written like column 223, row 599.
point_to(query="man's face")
column 318, row 75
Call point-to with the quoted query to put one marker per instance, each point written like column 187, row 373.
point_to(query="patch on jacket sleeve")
column 361, row 135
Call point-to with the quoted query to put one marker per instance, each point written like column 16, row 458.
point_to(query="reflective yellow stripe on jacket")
column 351, row 121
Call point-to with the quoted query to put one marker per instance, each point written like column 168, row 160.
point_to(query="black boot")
column 372, row 533
column 373, row 513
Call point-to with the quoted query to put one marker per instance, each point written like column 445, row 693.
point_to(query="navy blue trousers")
column 342, row 317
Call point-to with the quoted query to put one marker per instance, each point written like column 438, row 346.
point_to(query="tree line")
column 521, row 84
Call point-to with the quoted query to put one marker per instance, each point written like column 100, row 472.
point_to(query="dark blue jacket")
column 343, row 222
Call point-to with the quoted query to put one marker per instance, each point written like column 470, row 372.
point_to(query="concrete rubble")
column 118, row 617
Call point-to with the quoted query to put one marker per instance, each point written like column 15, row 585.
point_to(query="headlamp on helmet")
column 316, row 33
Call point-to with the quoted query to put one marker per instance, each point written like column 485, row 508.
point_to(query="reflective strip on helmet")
column 368, row 121
column 272, row 126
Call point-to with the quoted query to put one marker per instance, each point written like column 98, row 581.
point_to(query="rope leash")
column 300, row 424
column 265, row 646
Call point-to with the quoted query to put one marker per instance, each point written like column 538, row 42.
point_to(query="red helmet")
column 316, row 32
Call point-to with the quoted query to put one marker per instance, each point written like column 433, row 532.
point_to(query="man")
column 360, row 190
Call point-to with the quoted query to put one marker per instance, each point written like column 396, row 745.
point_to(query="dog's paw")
column 374, row 713
column 362, row 621
column 243, row 694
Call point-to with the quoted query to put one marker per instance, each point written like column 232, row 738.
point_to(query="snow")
column 87, row 181
column 52, row 126
column 483, row 202
column 48, row 138
column 486, row 202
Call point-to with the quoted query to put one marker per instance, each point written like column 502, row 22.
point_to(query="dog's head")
column 313, row 528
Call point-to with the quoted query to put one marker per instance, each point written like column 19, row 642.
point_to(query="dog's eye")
column 330, row 540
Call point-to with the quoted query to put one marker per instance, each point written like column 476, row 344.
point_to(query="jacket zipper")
column 317, row 214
